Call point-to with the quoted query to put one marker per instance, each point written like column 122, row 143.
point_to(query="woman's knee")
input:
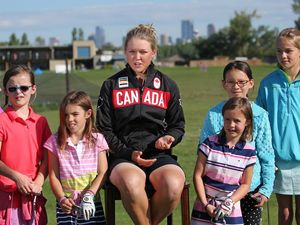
column 172, row 181
column 128, row 179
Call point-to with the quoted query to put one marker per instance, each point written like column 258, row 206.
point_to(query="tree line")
column 240, row 38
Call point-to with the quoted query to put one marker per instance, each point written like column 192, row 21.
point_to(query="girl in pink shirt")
column 23, row 164
column 77, row 163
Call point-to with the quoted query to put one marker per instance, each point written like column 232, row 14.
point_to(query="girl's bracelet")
column 90, row 191
column 205, row 207
column 61, row 199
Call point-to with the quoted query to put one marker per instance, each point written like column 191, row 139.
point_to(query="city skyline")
column 58, row 18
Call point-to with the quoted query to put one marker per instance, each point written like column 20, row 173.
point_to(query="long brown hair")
column 244, row 105
column 79, row 98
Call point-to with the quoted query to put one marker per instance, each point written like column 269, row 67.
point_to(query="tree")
column 80, row 34
column 241, row 33
column 264, row 43
column 24, row 39
column 40, row 41
column 13, row 40
column 187, row 51
column 296, row 9
column 216, row 45
column 166, row 51
column 74, row 34
column 108, row 46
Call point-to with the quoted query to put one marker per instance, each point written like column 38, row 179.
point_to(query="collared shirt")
column 78, row 165
column 263, row 173
column 22, row 144
column 225, row 166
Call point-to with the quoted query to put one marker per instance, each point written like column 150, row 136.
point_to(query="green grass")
column 199, row 92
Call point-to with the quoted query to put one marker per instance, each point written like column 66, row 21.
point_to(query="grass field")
column 199, row 92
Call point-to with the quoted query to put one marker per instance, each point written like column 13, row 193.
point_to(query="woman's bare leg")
column 130, row 181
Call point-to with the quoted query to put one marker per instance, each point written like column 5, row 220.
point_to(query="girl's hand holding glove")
column 88, row 206
column 224, row 209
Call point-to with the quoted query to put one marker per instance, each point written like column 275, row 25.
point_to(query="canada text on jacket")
column 131, row 96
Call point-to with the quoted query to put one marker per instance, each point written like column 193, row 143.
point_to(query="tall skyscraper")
column 187, row 30
column 210, row 29
column 99, row 37
column 164, row 39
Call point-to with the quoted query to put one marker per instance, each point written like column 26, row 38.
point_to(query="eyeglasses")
column 240, row 83
column 22, row 88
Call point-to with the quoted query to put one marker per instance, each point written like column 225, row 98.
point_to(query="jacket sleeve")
column 206, row 130
column 265, row 155
column 261, row 97
column 174, row 116
column 213, row 123
column 105, row 123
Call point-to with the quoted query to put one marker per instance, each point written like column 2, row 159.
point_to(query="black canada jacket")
column 132, row 116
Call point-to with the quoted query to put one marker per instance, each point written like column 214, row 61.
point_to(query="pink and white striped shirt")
column 77, row 164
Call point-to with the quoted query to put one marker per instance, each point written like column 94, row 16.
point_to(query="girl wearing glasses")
column 279, row 94
column 23, row 164
column 237, row 81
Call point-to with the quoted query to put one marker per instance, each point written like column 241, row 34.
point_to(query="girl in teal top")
column 237, row 81
column 279, row 94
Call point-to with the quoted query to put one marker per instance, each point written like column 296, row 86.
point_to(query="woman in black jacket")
column 140, row 115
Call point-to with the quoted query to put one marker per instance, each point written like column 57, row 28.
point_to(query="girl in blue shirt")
column 279, row 94
column 237, row 81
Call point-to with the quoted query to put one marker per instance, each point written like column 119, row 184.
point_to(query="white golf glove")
column 224, row 209
column 88, row 206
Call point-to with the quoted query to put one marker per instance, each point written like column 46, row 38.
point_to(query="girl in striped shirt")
column 77, row 163
column 224, row 167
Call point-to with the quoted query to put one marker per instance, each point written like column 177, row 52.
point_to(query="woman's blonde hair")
column 292, row 34
column 143, row 31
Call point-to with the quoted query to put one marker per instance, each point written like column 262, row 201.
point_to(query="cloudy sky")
column 58, row 17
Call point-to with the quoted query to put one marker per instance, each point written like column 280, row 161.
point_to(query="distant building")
column 178, row 41
column 91, row 37
column 53, row 41
column 187, row 30
column 210, row 29
column 170, row 40
column 80, row 55
column 99, row 37
column 164, row 40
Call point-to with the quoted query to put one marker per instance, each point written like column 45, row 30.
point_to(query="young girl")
column 23, row 164
column 224, row 167
column 238, row 81
column 77, row 163
column 279, row 94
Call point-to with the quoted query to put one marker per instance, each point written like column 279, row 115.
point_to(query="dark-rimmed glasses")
column 22, row 88
column 240, row 83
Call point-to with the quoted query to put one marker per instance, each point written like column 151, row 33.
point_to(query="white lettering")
column 135, row 96
column 147, row 98
column 161, row 101
column 118, row 95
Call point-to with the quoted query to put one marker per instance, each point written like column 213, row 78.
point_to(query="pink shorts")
column 18, row 209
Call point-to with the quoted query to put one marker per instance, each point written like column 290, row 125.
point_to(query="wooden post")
column 67, row 77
